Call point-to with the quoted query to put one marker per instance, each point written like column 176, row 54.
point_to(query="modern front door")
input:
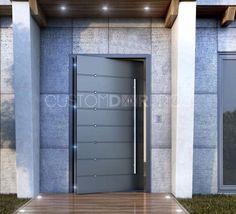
column 106, row 146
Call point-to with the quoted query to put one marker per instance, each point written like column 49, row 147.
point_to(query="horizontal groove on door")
column 105, row 183
column 101, row 75
column 105, row 109
column 115, row 117
column 106, row 100
column 104, row 150
column 81, row 142
column 89, row 92
column 105, row 133
column 101, row 125
column 104, row 84
column 104, row 167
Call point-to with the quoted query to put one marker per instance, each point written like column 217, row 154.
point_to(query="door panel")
column 114, row 117
column 99, row 150
column 104, row 84
column 89, row 65
column 104, row 134
column 107, row 101
column 91, row 184
column 105, row 124
column 105, row 167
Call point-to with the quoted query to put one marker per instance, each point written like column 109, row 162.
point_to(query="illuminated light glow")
column 21, row 211
column 105, row 8
column 146, row 8
column 179, row 211
column 63, row 7
column 39, row 197
column 168, row 197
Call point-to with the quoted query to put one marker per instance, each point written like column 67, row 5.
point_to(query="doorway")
column 110, row 142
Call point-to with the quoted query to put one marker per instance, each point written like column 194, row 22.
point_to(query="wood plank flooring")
column 132, row 202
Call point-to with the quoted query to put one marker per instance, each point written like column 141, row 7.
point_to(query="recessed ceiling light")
column 21, row 211
column 105, row 8
column 179, row 211
column 168, row 197
column 146, row 8
column 39, row 197
column 63, row 7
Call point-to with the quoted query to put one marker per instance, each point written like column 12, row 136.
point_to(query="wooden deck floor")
column 104, row 203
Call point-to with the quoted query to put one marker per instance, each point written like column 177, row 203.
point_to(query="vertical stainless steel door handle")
column 135, row 143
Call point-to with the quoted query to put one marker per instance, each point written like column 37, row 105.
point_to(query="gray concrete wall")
column 216, row 2
column 5, row 2
column 210, row 40
column 100, row 36
column 7, row 115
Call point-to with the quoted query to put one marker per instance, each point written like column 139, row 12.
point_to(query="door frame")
column 221, row 187
column 72, row 113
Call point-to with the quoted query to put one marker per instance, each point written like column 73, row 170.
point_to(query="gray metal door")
column 105, row 125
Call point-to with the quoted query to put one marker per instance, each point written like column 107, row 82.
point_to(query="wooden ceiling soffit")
column 37, row 13
column 5, row 10
column 172, row 13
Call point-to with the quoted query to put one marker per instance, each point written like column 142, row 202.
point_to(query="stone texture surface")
column 206, row 23
column 161, row 121
column 233, row 25
column 8, row 171
column 6, row 60
column 206, row 60
column 5, row 22
column 54, row 172
column 90, row 40
column 226, row 39
column 54, row 121
column 205, row 120
column 129, row 23
column 161, row 60
column 205, row 171
column 90, row 22
column 130, row 40
column 7, row 121
column 66, row 22
column 56, row 46
column 161, row 170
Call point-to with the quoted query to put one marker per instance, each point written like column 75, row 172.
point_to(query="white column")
column 26, row 40
column 183, row 73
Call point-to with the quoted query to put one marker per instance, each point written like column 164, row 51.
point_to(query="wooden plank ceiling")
column 5, row 10
column 116, row 8
column 211, row 11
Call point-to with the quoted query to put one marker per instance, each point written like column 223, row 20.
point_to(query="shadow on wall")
column 8, row 121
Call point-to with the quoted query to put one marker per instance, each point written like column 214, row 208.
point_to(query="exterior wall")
column 216, row 2
column 101, row 36
column 211, row 39
column 7, row 114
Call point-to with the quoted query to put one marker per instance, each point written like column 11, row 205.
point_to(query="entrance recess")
column 109, row 155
